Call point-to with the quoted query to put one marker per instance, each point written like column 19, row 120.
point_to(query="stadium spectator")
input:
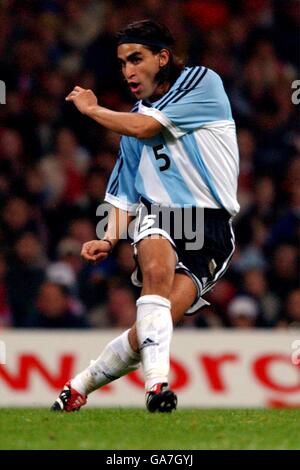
column 17, row 218
column 25, row 275
column 284, row 272
column 243, row 312
column 64, row 170
column 121, row 306
column 256, row 285
column 251, row 255
column 12, row 153
column 81, row 229
column 291, row 313
column 54, row 309
column 66, row 268
column 94, row 194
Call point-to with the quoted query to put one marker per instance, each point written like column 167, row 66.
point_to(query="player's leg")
column 157, row 261
column 121, row 355
column 183, row 294
column 159, row 397
column 154, row 326
column 117, row 359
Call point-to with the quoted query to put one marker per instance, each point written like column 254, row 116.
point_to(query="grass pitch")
column 123, row 428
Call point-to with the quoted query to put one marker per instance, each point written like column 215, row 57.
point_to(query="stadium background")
column 55, row 163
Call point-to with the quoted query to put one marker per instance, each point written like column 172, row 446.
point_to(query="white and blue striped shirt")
column 194, row 161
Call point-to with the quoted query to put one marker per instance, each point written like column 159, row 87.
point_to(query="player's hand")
column 95, row 251
column 83, row 99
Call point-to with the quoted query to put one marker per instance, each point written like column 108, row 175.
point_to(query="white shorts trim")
column 152, row 231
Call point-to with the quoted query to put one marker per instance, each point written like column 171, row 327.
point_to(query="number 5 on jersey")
column 161, row 156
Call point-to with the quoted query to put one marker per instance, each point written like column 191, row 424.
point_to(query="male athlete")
column 178, row 149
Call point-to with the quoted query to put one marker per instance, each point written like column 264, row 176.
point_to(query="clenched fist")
column 83, row 99
column 96, row 250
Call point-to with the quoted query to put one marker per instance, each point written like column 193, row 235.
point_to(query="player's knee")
column 156, row 274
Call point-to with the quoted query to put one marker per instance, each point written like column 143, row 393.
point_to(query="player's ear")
column 164, row 56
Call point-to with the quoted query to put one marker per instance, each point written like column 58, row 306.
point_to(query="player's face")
column 139, row 67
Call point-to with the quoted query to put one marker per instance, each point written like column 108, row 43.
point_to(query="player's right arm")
column 130, row 124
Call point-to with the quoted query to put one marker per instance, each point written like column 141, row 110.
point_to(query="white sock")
column 154, row 331
column 116, row 360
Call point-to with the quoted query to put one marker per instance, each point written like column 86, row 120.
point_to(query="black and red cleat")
column 69, row 400
column 160, row 398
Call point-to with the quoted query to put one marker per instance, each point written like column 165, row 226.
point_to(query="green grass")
column 123, row 428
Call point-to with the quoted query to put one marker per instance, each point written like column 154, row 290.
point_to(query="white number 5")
column 148, row 222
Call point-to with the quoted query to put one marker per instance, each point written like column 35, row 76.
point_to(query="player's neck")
column 160, row 91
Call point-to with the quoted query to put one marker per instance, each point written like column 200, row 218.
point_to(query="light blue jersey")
column 193, row 161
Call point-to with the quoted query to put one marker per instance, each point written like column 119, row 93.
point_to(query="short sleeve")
column 199, row 101
column 121, row 190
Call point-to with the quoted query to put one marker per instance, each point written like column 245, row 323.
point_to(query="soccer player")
column 178, row 150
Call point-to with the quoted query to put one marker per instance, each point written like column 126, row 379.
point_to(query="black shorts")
column 205, row 261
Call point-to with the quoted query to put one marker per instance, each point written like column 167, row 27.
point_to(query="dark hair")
column 149, row 30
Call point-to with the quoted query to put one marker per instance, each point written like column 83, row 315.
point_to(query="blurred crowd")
column 55, row 163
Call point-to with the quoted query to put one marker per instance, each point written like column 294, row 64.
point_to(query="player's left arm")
column 131, row 124
column 98, row 250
